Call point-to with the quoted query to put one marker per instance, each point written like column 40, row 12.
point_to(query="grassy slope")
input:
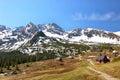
column 112, row 68
column 69, row 69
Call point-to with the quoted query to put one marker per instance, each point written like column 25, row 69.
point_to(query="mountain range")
column 32, row 35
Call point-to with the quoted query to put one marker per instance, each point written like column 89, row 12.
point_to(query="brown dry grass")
column 68, row 69
column 112, row 68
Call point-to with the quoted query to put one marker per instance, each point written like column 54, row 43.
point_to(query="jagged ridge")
column 11, row 39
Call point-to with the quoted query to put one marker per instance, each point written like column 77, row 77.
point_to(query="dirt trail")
column 90, row 61
column 106, row 76
column 102, row 74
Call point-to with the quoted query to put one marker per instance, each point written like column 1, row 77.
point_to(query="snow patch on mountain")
column 52, row 34
column 12, row 39
column 117, row 33
column 52, row 28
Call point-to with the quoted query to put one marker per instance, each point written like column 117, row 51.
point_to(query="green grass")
column 116, row 59
column 112, row 68
column 78, row 74
column 71, row 69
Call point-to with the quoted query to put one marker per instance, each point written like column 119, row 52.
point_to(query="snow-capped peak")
column 51, row 32
column 89, row 29
column 117, row 33
column 2, row 27
column 30, row 29
column 52, row 28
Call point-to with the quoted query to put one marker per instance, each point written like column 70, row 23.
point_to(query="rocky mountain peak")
column 75, row 32
column 31, row 28
column 53, row 28
column 2, row 27
column 51, row 32
column 30, row 24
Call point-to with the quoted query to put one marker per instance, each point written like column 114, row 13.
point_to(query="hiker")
column 105, row 59
column 100, row 58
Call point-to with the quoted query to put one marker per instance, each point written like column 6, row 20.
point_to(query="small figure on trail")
column 100, row 58
column 105, row 59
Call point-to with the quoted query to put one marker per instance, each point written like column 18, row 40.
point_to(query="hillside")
column 68, row 69
column 111, row 68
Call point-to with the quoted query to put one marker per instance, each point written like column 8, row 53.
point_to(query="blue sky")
column 69, row 14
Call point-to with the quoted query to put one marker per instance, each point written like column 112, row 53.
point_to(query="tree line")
column 14, row 58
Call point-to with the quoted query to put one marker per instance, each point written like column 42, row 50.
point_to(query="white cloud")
column 96, row 16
